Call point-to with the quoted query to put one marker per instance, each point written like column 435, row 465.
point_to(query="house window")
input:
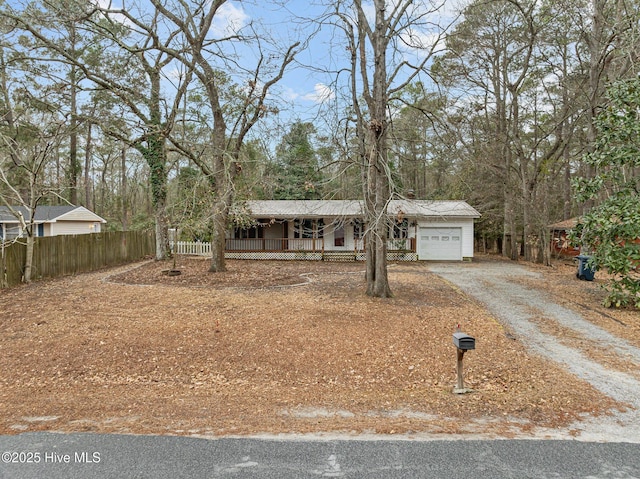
column 400, row 230
column 358, row 229
column 303, row 229
column 254, row 232
column 308, row 228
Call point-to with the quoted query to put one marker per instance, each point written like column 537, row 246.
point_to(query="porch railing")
column 309, row 244
column 275, row 244
column 283, row 244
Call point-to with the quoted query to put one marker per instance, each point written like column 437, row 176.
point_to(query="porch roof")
column 290, row 209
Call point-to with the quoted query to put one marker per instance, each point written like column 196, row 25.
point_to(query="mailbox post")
column 463, row 343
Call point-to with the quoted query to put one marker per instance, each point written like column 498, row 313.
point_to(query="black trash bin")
column 585, row 271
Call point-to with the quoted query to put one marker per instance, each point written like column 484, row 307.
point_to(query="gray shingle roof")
column 43, row 213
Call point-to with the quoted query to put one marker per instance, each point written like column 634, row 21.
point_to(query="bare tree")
column 29, row 137
column 231, row 123
column 130, row 63
column 388, row 49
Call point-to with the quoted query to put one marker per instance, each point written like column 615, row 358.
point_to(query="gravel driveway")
column 519, row 308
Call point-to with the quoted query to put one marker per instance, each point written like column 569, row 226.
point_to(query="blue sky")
column 311, row 82
column 310, row 85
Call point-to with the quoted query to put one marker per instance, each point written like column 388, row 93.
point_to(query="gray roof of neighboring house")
column 44, row 214
column 354, row 208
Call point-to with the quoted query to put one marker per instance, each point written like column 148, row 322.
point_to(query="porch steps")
column 339, row 256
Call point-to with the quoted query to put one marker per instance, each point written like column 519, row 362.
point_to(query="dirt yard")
column 276, row 347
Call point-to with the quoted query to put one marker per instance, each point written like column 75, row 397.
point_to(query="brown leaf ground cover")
column 270, row 347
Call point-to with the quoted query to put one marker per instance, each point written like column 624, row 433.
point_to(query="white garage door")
column 440, row 244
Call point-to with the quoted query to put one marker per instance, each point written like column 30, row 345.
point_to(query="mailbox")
column 464, row 341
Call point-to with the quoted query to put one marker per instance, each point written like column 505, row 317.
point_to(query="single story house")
column 334, row 229
column 51, row 221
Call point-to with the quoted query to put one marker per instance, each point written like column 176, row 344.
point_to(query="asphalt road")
column 87, row 456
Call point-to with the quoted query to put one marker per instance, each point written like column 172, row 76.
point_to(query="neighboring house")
column 560, row 238
column 334, row 229
column 51, row 221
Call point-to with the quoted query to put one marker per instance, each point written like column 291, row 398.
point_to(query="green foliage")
column 240, row 215
column 612, row 228
column 191, row 208
column 142, row 222
column 297, row 168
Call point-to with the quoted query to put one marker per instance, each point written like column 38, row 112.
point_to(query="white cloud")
column 321, row 93
column 421, row 42
column 229, row 20
column 108, row 7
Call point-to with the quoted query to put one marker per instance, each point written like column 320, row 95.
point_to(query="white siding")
column 75, row 228
column 275, row 231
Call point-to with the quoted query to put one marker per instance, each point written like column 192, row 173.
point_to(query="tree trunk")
column 155, row 154
column 123, row 188
column 159, row 199
column 597, row 76
column 218, row 239
column 74, row 165
column 28, row 262
column 223, row 188
column 87, row 168
column 509, row 239
column 378, row 182
column 545, row 234
column 380, row 288
column 162, row 231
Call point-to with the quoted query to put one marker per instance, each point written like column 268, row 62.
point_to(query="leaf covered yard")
column 267, row 347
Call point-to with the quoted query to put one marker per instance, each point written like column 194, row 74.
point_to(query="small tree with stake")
column 611, row 229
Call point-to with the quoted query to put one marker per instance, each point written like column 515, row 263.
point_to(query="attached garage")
column 440, row 244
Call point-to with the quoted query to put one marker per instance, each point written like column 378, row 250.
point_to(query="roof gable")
column 79, row 213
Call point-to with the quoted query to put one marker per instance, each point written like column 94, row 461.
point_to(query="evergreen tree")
column 297, row 165
column 612, row 228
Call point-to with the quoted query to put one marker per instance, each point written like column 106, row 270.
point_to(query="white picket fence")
column 295, row 250
column 195, row 248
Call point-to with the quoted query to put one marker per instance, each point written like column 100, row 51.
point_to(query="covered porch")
column 319, row 237
column 313, row 249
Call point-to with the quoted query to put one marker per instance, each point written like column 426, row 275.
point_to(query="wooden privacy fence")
column 55, row 256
